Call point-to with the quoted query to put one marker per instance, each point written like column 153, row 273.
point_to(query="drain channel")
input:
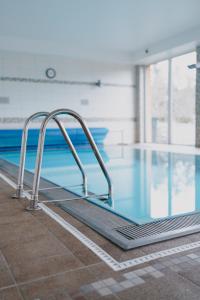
column 133, row 232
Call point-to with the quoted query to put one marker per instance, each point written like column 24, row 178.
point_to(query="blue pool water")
column 148, row 185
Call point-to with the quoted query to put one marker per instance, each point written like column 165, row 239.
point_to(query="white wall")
column 109, row 106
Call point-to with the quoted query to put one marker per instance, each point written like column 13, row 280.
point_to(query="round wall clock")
column 50, row 73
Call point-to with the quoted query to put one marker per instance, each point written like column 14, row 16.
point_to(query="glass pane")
column 183, row 100
column 182, row 173
column 159, row 102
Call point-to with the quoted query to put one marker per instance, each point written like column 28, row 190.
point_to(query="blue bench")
column 11, row 138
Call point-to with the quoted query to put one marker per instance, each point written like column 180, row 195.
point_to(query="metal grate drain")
column 133, row 231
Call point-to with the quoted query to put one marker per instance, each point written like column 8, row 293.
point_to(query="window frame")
column 143, row 128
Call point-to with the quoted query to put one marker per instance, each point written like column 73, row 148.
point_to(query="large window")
column 159, row 101
column 170, row 101
column 183, row 100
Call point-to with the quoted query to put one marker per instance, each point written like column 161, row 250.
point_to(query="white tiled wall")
column 111, row 107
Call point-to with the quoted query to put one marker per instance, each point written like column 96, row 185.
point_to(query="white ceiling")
column 104, row 30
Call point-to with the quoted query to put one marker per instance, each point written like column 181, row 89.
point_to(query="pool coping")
column 102, row 221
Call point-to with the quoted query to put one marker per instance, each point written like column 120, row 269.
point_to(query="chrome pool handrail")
column 20, row 180
column 36, row 181
column 74, row 153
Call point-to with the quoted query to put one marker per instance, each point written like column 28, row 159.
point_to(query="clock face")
column 50, row 73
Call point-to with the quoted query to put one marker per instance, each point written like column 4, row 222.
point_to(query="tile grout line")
column 81, row 237
column 189, row 280
column 12, row 276
column 58, row 239
column 102, row 254
column 22, row 283
column 7, row 287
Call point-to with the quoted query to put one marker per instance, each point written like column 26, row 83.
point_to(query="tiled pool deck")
column 40, row 260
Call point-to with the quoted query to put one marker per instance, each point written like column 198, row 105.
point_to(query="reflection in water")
column 155, row 185
column 172, row 185
column 148, row 185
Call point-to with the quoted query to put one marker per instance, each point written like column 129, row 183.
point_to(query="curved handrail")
column 74, row 153
column 19, row 190
column 34, row 196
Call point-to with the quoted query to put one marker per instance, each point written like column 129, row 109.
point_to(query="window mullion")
column 169, row 101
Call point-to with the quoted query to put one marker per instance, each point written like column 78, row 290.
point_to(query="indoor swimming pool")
column 148, row 185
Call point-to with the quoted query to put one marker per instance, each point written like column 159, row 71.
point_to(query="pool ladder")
column 36, row 181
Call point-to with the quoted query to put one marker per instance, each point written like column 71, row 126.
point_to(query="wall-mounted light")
column 194, row 66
